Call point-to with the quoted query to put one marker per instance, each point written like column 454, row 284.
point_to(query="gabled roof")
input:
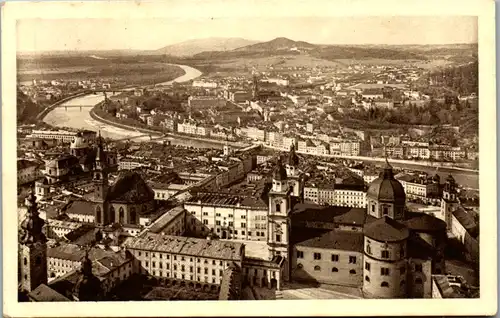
column 44, row 293
column 130, row 187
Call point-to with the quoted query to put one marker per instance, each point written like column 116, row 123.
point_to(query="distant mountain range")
column 192, row 47
column 233, row 48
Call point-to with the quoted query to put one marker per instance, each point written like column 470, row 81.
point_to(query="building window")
column 154, row 264
column 121, row 216
column 299, row 266
column 335, row 269
column 317, row 268
column 418, row 268
column 25, row 261
column 373, row 207
column 368, row 249
column 300, row 254
column 217, row 222
column 278, row 207
column 317, row 256
column 335, row 258
column 352, row 259
column 220, row 272
column 175, row 267
column 384, row 284
column 352, row 272
column 385, row 254
column 367, row 266
column 384, row 271
column 198, row 270
column 367, row 278
column 386, row 210
column 206, row 270
column 205, row 222
column 278, row 238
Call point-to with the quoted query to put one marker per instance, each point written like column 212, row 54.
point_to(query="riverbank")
column 156, row 133
column 427, row 164
column 49, row 108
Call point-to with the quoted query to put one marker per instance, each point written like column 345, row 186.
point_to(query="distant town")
column 275, row 181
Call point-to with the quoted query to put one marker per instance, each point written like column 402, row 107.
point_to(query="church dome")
column 386, row 188
column 386, row 230
column 79, row 142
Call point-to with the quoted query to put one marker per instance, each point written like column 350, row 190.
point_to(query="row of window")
column 335, row 257
column 182, row 258
column 219, row 215
column 167, row 274
column 384, row 253
column 386, row 272
column 317, row 268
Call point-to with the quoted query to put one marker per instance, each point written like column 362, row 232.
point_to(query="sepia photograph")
column 210, row 159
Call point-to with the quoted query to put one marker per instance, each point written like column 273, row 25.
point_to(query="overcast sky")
column 105, row 34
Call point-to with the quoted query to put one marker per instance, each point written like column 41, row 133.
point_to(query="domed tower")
column 385, row 250
column 278, row 215
column 79, row 146
column 32, row 248
column 88, row 286
column 386, row 196
column 449, row 202
column 293, row 175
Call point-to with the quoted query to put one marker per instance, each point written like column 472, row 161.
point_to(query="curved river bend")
column 75, row 118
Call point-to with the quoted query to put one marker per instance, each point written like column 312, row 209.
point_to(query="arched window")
column 98, row 214
column 352, row 271
column 384, row 284
column 121, row 216
column 25, row 261
column 278, row 207
column 335, row 270
column 367, row 278
column 97, row 176
column 132, row 216
column 368, row 249
column 317, row 268
column 112, row 215
column 418, row 280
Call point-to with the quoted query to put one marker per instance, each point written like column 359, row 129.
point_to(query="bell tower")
column 101, row 184
column 293, row 175
column 32, row 248
column 449, row 202
column 278, row 236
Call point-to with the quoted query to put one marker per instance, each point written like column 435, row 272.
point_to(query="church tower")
column 101, row 184
column 255, row 87
column 278, row 235
column 32, row 248
column 293, row 175
column 449, row 202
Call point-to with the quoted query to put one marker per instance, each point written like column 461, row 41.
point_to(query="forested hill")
column 462, row 79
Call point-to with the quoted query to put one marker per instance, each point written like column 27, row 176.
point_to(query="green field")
column 132, row 71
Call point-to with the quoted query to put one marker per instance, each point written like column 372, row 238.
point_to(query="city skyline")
column 35, row 35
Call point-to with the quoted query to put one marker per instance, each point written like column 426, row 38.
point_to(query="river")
column 75, row 118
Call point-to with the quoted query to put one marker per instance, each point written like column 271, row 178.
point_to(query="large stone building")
column 386, row 251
